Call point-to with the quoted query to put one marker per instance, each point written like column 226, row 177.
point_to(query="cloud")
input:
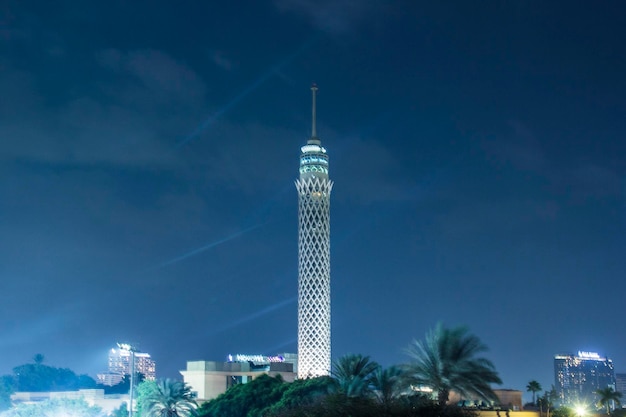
column 371, row 169
column 152, row 75
column 132, row 116
column 580, row 176
column 332, row 16
column 219, row 59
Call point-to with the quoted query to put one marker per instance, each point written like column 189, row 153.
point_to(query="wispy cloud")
column 581, row 177
column 130, row 117
column 333, row 16
column 219, row 58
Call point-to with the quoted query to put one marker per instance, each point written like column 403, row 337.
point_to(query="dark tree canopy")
column 247, row 400
column 36, row 377
column 304, row 393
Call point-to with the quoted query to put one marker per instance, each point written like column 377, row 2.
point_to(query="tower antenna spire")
column 314, row 127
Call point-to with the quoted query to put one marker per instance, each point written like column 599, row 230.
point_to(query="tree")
column 607, row 396
column 338, row 405
column 546, row 401
column 252, row 399
column 353, row 373
column 38, row 358
column 563, row 412
column 171, row 399
column 446, row 360
column 36, row 377
column 388, row 384
column 122, row 411
column 534, row 387
column 303, row 393
column 144, row 391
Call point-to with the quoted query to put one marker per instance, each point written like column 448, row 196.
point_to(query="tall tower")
column 314, row 188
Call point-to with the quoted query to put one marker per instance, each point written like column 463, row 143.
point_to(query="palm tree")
column 171, row 399
column 388, row 384
column 353, row 373
column 547, row 401
column 534, row 387
column 446, row 360
column 607, row 396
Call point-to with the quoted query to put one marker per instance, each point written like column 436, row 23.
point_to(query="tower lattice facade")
column 314, row 189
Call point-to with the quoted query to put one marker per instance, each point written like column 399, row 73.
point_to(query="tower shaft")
column 314, row 188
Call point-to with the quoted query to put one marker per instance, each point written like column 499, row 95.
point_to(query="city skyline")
column 147, row 159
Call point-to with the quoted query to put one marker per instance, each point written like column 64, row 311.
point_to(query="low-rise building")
column 208, row 379
column 93, row 397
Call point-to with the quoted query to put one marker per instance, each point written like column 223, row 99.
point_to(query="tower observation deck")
column 314, row 189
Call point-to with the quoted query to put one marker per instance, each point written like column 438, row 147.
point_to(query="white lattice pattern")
column 314, row 276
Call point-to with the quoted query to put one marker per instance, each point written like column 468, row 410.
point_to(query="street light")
column 580, row 410
column 131, row 349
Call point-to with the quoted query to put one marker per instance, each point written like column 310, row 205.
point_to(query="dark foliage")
column 304, row 393
column 246, row 400
column 36, row 377
column 563, row 412
column 340, row 405
column 121, row 411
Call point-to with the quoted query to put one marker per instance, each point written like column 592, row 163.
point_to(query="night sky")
column 148, row 152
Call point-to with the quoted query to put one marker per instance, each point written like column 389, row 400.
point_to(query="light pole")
column 131, row 350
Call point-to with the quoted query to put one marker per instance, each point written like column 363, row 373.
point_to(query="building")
column 109, row 378
column 209, row 379
column 93, row 397
column 120, row 363
column 314, row 187
column 508, row 399
column 620, row 383
column 577, row 377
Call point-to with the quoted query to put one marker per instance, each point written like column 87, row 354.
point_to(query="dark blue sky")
column 477, row 150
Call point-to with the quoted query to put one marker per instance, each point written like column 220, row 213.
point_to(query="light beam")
column 257, row 314
column 204, row 248
column 256, row 84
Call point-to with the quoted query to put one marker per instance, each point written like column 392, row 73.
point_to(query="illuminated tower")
column 313, row 258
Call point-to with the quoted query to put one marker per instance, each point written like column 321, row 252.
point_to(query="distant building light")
column 255, row 358
column 588, row 355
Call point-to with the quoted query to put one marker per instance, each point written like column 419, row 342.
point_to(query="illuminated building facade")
column 208, row 379
column 119, row 363
column 577, row 377
column 314, row 187
column 620, row 383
